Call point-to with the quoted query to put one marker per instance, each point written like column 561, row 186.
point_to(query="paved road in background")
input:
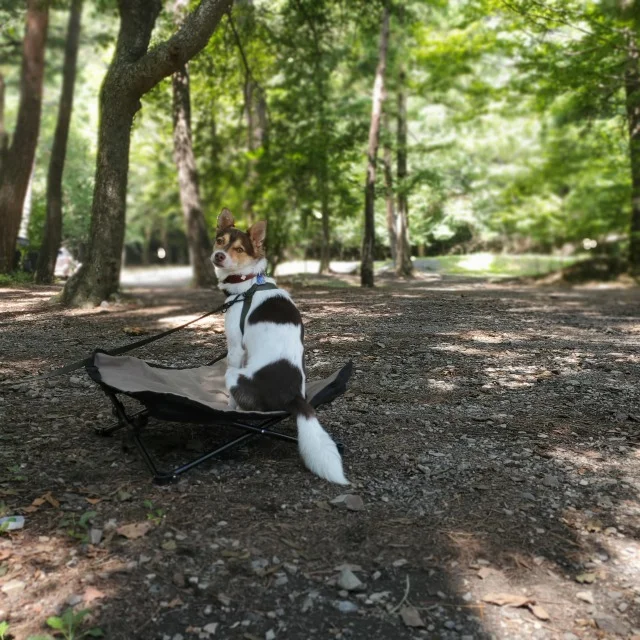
column 180, row 276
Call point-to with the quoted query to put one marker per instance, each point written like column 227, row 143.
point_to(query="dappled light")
column 320, row 320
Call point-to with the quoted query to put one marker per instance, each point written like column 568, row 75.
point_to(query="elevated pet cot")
column 195, row 395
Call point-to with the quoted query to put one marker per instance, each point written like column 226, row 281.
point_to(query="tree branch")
column 167, row 57
column 247, row 69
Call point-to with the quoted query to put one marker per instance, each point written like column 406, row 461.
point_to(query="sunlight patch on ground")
column 454, row 348
column 477, row 262
column 440, row 385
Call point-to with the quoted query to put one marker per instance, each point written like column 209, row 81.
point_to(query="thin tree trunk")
column 325, row 249
column 197, row 236
column 404, row 266
column 4, row 137
column 368, row 242
column 632, row 103
column 133, row 71
column 19, row 157
column 388, row 191
column 53, row 223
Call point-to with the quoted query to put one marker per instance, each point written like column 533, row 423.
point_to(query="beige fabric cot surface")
column 204, row 385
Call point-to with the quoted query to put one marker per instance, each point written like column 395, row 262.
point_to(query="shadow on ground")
column 491, row 430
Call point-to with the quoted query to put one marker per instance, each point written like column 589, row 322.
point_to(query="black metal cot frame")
column 253, row 425
column 137, row 421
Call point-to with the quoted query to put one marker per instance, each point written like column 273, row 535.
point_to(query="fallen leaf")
column 169, row 545
column 507, row 599
column 586, row 578
column 484, row 573
column 411, row 617
column 135, row 530
column 51, row 500
column 93, row 500
column 135, row 331
column 4, row 554
column 539, row 612
column 91, row 594
column 176, row 602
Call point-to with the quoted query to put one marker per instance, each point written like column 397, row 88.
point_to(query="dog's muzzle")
column 218, row 257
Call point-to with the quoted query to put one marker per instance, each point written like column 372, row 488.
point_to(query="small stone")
column 348, row 501
column 379, row 596
column 74, row 599
column 585, row 596
column 13, row 586
column 611, row 625
column 411, row 617
column 349, row 581
column 450, row 624
column 467, row 597
column 270, row 635
column 281, row 581
column 623, row 606
column 550, row 481
column 211, row 628
column 95, row 536
column 258, row 566
column 346, row 606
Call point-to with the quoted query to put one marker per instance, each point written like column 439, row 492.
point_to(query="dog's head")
column 235, row 250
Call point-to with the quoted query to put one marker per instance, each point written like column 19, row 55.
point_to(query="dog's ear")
column 258, row 232
column 225, row 219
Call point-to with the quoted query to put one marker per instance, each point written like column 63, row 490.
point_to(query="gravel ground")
column 491, row 434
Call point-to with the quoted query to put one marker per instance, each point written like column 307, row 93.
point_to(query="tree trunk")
column 388, row 191
column 4, row 137
column 325, row 249
column 368, row 242
column 632, row 103
column 132, row 72
column 197, row 236
column 53, row 223
column 404, row 266
column 19, row 157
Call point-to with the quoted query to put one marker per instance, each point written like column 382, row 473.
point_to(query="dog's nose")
column 218, row 257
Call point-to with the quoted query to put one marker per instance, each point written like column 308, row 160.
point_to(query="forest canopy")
column 521, row 125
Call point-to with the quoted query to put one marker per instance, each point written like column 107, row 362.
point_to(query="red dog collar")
column 236, row 278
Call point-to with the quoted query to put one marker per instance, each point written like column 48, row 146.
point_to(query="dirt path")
column 491, row 431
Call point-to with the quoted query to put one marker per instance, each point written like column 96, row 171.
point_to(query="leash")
column 117, row 351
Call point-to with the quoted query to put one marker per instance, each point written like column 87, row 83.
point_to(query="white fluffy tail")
column 318, row 450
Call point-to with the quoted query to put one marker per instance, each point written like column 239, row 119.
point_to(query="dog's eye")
column 239, row 249
column 219, row 240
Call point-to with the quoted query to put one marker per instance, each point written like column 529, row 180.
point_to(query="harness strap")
column 78, row 364
column 246, row 297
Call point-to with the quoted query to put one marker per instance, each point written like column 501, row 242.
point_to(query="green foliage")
column 156, row 515
column 517, row 126
column 69, row 623
column 78, row 528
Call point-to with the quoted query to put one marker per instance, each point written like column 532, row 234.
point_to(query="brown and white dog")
column 266, row 365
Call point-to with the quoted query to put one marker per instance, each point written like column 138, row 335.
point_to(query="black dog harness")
column 246, row 298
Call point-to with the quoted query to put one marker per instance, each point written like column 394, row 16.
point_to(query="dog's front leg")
column 235, row 356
